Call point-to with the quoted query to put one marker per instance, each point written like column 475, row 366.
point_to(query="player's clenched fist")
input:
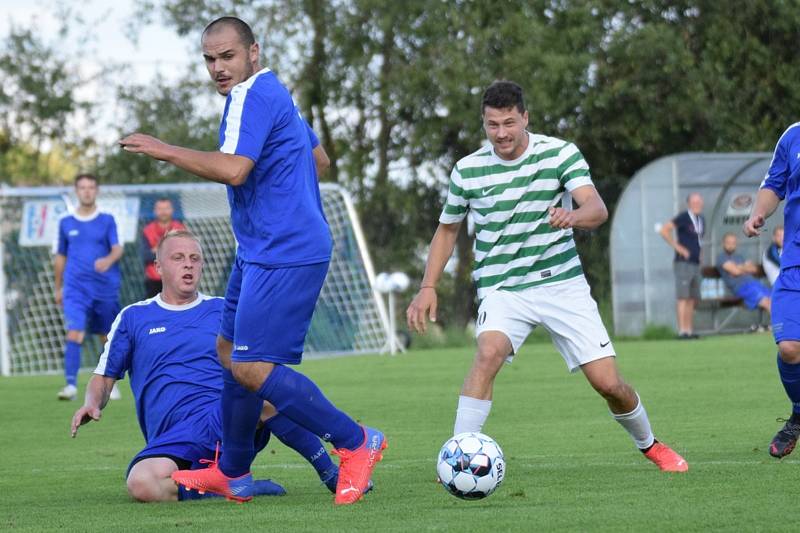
column 561, row 218
column 752, row 226
column 84, row 415
column 423, row 304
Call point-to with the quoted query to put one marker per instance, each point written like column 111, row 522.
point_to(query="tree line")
column 393, row 91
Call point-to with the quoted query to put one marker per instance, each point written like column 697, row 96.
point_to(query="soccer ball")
column 471, row 466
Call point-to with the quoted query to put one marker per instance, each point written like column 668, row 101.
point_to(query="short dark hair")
column 503, row 95
column 162, row 199
column 242, row 28
column 85, row 176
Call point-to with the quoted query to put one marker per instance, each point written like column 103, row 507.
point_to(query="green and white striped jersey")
column 508, row 202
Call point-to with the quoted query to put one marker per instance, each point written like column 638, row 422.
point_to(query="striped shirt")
column 508, row 202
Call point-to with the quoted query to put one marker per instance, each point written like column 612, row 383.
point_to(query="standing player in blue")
column 266, row 159
column 782, row 182
column 87, row 276
column 166, row 344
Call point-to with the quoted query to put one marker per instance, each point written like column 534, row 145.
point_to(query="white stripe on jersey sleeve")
column 233, row 120
column 103, row 362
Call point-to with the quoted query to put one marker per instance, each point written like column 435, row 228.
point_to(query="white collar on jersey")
column 171, row 307
column 86, row 218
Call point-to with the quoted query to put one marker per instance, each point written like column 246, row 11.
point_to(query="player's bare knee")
column 789, row 352
column 251, row 375
column 224, row 350
column 143, row 488
column 491, row 354
column 615, row 390
column 75, row 336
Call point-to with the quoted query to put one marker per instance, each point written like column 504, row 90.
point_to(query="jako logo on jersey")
column 162, row 329
column 73, row 233
column 241, row 348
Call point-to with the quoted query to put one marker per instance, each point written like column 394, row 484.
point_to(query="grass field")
column 569, row 465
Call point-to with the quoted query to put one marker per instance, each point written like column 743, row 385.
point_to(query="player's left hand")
column 562, row 218
column 139, row 143
column 102, row 265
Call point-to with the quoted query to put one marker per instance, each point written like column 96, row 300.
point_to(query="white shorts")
column 566, row 310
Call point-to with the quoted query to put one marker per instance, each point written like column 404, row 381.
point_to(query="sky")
column 159, row 51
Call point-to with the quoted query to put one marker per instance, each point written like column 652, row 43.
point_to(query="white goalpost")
column 350, row 317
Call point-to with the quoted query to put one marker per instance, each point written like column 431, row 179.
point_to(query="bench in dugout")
column 727, row 307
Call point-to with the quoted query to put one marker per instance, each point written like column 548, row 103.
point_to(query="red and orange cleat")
column 212, row 479
column 356, row 466
column 666, row 458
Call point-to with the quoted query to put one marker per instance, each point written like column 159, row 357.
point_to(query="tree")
column 173, row 113
column 38, row 103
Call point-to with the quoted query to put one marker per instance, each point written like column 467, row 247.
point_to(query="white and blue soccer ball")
column 471, row 466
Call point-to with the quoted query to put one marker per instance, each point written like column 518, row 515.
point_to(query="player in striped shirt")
column 518, row 191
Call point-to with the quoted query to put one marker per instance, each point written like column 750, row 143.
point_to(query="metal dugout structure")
column 642, row 279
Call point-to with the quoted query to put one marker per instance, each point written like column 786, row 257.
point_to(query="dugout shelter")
column 642, row 279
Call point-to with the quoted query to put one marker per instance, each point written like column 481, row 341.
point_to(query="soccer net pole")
column 365, row 258
column 5, row 352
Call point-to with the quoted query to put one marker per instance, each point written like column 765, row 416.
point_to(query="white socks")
column 637, row 425
column 471, row 414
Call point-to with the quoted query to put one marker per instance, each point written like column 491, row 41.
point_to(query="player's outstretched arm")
column 229, row 169
column 425, row 302
column 97, row 392
column 766, row 204
column 591, row 211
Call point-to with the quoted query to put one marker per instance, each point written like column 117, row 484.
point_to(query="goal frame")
column 7, row 192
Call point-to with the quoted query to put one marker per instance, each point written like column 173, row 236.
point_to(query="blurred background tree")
column 393, row 90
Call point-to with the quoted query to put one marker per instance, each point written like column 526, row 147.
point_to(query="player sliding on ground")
column 783, row 182
column 167, row 345
column 518, row 192
column 266, row 159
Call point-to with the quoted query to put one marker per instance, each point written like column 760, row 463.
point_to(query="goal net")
column 350, row 317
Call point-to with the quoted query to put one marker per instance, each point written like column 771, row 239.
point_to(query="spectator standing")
column 152, row 234
column 684, row 234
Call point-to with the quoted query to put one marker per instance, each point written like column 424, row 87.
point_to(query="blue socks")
column 790, row 377
column 241, row 410
column 302, row 441
column 298, row 398
column 72, row 362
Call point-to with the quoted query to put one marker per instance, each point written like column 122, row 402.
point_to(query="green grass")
column 569, row 465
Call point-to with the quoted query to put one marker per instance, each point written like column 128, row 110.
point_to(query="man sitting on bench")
column 737, row 273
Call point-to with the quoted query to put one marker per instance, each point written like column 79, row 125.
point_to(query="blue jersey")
column 169, row 352
column 83, row 240
column 276, row 213
column 783, row 178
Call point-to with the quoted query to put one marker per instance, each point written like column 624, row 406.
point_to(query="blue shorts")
column 84, row 313
column 268, row 310
column 752, row 292
column 786, row 306
column 192, row 439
